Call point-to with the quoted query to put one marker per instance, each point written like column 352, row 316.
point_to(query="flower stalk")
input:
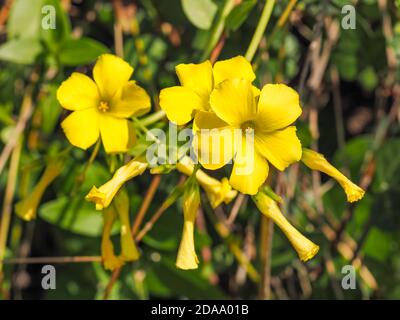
column 261, row 26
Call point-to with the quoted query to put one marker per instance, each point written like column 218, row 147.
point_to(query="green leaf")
column 75, row 215
column 347, row 65
column 385, row 211
column 368, row 78
column 187, row 283
column 75, row 52
column 388, row 167
column 304, row 134
column 23, row 51
column 352, row 155
column 200, row 12
column 378, row 244
column 25, row 19
column 165, row 234
column 239, row 14
column 50, row 110
column 62, row 29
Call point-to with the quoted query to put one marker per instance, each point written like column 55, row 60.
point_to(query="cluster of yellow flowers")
column 220, row 97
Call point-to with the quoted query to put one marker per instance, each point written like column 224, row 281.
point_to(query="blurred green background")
column 349, row 86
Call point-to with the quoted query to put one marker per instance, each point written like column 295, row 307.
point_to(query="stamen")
column 103, row 106
column 248, row 126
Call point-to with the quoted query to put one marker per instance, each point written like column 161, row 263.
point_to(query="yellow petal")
column 278, row 107
column 250, row 169
column 256, row 91
column 280, row 147
column 207, row 120
column 179, row 104
column 110, row 260
column 111, row 73
column 131, row 100
column 236, row 67
column 78, row 92
column 114, row 133
column 103, row 196
column 305, row 248
column 217, row 191
column 82, row 127
column 198, row 77
column 187, row 258
column 233, row 101
column 129, row 251
column 317, row 161
column 213, row 148
column 213, row 143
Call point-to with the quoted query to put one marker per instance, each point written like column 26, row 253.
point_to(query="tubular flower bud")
column 187, row 258
column 110, row 260
column 305, row 248
column 217, row 191
column 129, row 251
column 103, row 196
column 317, row 161
column 27, row 208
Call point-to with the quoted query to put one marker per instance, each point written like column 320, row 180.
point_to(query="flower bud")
column 187, row 258
column 103, row 196
column 305, row 248
column 129, row 251
column 217, row 191
column 110, row 260
column 27, row 208
column 317, row 161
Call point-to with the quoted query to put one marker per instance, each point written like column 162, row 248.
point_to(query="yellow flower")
column 101, row 107
column 264, row 127
column 317, row 161
column 217, row 191
column 180, row 103
column 110, row 260
column 27, row 208
column 304, row 247
column 187, row 258
column 103, row 196
column 129, row 251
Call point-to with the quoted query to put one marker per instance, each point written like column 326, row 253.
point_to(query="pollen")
column 103, row 106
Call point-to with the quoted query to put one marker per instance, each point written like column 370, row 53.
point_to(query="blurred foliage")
column 157, row 36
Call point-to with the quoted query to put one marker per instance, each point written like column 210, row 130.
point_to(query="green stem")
column 218, row 28
column 281, row 22
column 262, row 24
column 8, row 199
column 153, row 118
column 145, row 130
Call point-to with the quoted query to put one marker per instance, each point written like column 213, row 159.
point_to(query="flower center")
column 248, row 126
column 103, row 106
